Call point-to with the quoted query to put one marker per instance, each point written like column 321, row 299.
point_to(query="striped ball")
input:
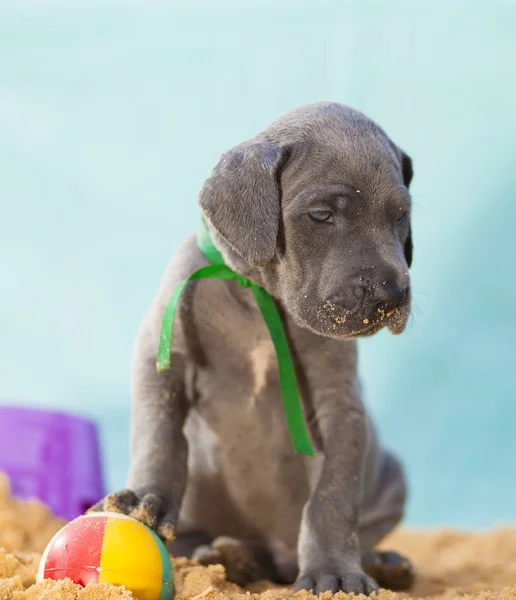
column 111, row 548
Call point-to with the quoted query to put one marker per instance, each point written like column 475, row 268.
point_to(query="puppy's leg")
column 158, row 467
column 381, row 513
column 329, row 548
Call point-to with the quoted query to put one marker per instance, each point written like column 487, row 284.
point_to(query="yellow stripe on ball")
column 131, row 557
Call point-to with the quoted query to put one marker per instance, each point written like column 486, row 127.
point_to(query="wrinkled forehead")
column 365, row 162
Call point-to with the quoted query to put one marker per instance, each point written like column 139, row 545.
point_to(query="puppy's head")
column 318, row 207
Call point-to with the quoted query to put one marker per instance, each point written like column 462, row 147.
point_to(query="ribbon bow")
column 287, row 375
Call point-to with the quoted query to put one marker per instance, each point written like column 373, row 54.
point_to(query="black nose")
column 390, row 297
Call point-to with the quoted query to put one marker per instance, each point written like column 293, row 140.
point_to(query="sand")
column 450, row 565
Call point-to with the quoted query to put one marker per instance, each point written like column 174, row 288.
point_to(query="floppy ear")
column 241, row 199
column 406, row 168
column 407, row 172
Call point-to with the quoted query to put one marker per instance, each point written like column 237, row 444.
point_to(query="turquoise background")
column 111, row 116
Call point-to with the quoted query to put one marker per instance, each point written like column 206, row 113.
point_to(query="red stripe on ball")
column 75, row 552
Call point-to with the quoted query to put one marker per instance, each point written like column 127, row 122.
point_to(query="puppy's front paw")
column 350, row 583
column 148, row 508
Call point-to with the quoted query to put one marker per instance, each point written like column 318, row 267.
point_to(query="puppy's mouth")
column 333, row 321
column 395, row 321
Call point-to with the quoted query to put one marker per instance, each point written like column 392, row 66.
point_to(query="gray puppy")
column 316, row 210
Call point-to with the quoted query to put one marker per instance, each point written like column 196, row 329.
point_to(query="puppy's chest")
column 252, row 374
column 236, row 362
column 245, row 381
column 235, row 386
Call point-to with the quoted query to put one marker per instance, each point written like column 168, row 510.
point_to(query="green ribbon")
column 287, row 375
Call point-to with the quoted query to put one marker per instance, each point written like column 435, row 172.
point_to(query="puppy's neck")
column 235, row 262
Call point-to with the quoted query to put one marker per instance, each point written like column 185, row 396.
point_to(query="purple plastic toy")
column 53, row 457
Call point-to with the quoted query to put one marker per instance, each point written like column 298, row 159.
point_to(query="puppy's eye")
column 321, row 216
column 401, row 219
